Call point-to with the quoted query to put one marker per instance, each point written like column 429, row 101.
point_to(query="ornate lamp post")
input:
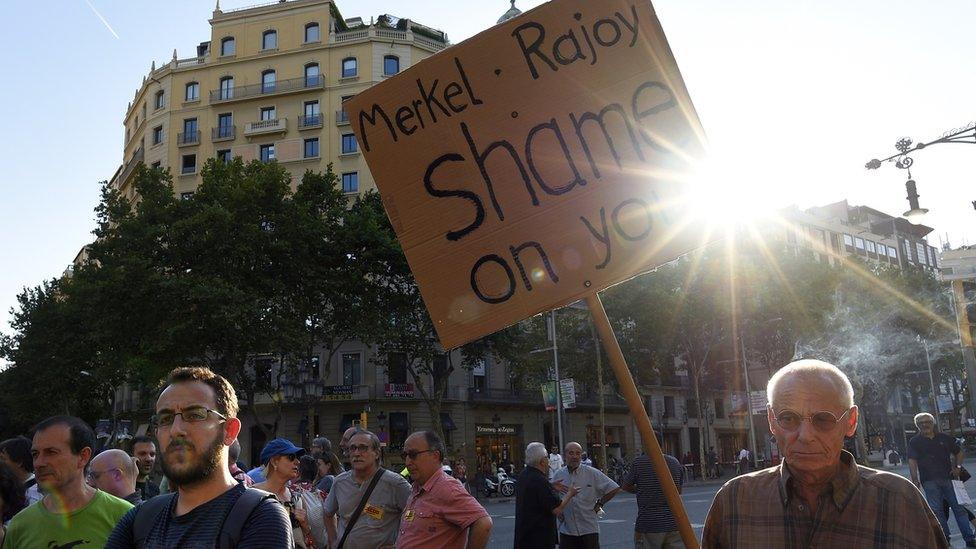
column 305, row 388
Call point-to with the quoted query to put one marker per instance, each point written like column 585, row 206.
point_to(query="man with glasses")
column 818, row 496
column 377, row 523
column 113, row 471
column 935, row 460
column 195, row 422
column 440, row 512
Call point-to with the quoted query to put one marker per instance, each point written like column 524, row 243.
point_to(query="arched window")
column 269, row 40
column 312, row 33
column 192, row 91
column 228, row 46
column 267, row 81
column 391, row 64
column 227, row 87
column 349, row 67
column 312, row 75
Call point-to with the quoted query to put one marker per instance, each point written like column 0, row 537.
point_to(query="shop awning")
column 447, row 423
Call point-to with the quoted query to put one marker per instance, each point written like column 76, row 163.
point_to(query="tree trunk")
column 702, row 423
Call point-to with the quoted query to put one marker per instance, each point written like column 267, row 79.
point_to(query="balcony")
column 275, row 125
column 342, row 118
column 308, row 121
column 279, row 87
column 130, row 166
column 223, row 133
column 504, row 396
column 185, row 139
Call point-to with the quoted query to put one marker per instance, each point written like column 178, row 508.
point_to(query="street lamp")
column 304, row 388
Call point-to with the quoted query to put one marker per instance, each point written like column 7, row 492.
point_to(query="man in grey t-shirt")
column 378, row 524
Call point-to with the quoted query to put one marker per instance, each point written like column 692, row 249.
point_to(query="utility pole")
column 928, row 362
column 752, row 426
column 559, row 391
column 599, row 383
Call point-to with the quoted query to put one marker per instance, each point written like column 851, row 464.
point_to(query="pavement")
column 617, row 526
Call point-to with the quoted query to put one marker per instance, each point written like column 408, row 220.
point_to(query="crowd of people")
column 56, row 492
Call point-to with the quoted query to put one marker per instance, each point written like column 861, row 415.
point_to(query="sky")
column 795, row 97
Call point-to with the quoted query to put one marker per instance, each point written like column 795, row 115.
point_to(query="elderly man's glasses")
column 822, row 421
column 359, row 448
column 191, row 414
column 413, row 454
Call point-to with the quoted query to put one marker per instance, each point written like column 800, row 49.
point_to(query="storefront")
column 615, row 441
column 497, row 445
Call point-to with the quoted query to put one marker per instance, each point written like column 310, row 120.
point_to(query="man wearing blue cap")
column 195, row 422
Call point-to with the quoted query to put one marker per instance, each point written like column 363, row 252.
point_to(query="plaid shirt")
column 863, row 508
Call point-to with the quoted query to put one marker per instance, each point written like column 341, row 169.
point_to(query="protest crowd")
column 55, row 492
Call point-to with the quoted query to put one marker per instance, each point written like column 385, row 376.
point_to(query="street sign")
column 536, row 163
column 567, row 390
column 758, row 402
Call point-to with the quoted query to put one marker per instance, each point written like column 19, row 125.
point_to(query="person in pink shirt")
column 439, row 513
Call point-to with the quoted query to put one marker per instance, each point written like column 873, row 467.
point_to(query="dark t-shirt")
column 535, row 525
column 933, row 455
column 148, row 489
column 653, row 513
column 267, row 527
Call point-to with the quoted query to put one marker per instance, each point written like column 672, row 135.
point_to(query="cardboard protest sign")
column 539, row 161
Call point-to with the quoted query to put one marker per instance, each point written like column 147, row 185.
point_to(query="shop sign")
column 568, row 390
column 526, row 167
column 398, row 390
column 481, row 429
column 945, row 403
column 740, row 404
column 338, row 392
column 758, row 402
column 549, row 395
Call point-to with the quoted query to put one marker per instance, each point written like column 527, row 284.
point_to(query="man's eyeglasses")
column 358, row 448
column 825, row 421
column 413, row 454
column 192, row 414
column 93, row 475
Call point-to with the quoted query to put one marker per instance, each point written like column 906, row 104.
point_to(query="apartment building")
column 268, row 84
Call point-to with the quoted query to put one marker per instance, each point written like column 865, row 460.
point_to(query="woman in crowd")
column 12, row 497
column 313, row 499
column 461, row 473
column 328, row 466
column 281, row 458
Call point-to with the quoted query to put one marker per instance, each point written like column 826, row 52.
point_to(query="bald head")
column 796, row 375
column 573, row 454
column 115, row 472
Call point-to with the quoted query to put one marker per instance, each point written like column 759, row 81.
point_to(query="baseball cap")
column 280, row 447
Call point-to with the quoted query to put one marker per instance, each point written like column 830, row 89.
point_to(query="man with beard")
column 144, row 450
column 195, row 422
column 72, row 513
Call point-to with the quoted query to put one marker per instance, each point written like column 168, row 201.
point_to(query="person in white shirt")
column 744, row 456
column 555, row 461
column 579, row 527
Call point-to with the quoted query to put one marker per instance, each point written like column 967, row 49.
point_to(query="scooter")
column 502, row 484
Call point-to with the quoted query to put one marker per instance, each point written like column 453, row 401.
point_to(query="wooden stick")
column 637, row 411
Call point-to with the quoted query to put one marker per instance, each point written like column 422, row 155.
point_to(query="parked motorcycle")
column 501, row 484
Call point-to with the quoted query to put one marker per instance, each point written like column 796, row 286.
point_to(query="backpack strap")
column 146, row 515
column 240, row 513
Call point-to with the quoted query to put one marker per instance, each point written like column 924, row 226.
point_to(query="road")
column 617, row 527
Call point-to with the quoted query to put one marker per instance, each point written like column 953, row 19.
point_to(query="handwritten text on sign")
column 537, row 162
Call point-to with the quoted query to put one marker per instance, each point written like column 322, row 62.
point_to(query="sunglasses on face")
column 824, row 421
column 291, row 457
column 413, row 454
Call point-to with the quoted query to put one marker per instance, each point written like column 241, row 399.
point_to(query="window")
column 350, row 183
column 228, row 46
column 312, row 33
column 189, row 163
column 143, row 111
column 312, row 75
column 192, row 91
column 920, row 248
column 186, row 196
column 268, row 113
column 848, row 240
column 189, row 126
column 160, row 99
column 908, row 249
column 719, row 408
column 312, row 147
column 224, row 156
column 267, row 153
column 397, row 368
column 227, row 87
column 691, row 407
column 157, row 135
column 391, row 65
column 893, row 253
column 225, row 125
column 871, row 247
column 669, row 406
column 312, row 116
column 349, row 67
column 267, row 81
column 352, row 369
column 932, row 258
column 399, row 429
column 882, row 250
column 859, row 243
column 348, row 143
column 269, row 40
column 156, row 164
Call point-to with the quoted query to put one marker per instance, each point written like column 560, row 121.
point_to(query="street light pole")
column 559, row 389
column 928, row 362
column 752, row 426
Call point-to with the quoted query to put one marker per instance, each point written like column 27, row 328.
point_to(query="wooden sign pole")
column 637, row 411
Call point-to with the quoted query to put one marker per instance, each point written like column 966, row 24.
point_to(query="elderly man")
column 536, row 502
column 818, row 496
column 579, row 527
column 440, row 512
column 937, row 459
column 113, row 471
column 367, row 506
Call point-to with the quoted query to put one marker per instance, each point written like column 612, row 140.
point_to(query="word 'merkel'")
column 455, row 97
column 566, row 48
